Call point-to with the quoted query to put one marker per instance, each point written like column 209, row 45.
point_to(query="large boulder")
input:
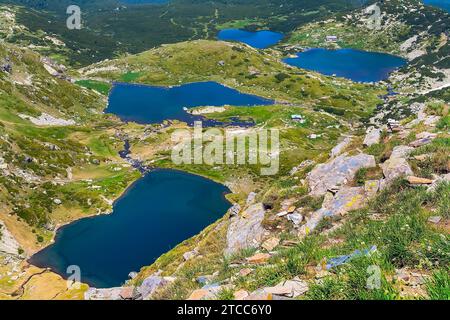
column 421, row 142
column 373, row 136
column 394, row 168
column 347, row 199
column 337, row 172
column 245, row 230
column 401, row 152
column 151, row 284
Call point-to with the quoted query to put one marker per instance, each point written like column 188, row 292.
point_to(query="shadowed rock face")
column 246, row 231
column 337, row 172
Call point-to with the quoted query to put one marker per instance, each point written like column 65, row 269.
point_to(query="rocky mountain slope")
column 379, row 200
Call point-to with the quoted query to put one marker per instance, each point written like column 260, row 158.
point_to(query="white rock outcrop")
column 47, row 120
column 373, row 136
column 338, row 172
column 245, row 230
column 8, row 244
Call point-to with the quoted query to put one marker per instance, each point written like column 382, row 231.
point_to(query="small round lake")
column 159, row 211
column 258, row 39
column 151, row 104
column 356, row 65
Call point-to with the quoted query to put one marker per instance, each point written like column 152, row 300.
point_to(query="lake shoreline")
column 359, row 66
column 61, row 228
column 150, row 104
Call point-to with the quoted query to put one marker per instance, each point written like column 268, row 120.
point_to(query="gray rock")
column 295, row 218
column 373, row 136
column 435, row 219
column 337, row 172
column 290, row 288
column 204, row 280
column 337, row 150
column 302, row 165
column 347, row 199
column 234, row 210
column 6, row 67
column 426, row 135
column 151, row 284
column 401, row 152
column 251, row 198
column 421, row 142
column 431, row 120
column 190, row 255
column 395, row 168
column 246, row 231
column 409, row 278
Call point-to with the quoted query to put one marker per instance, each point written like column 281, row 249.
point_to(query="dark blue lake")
column 159, row 211
column 258, row 39
column 151, row 104
column 443, row 4
column 356, row 65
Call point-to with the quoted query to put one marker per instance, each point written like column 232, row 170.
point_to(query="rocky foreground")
column 248, row 229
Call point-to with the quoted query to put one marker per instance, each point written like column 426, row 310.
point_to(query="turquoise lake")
column 150, row 104
column 443, row 4
column 356, row 65
column 258, row 39
column 158, row 212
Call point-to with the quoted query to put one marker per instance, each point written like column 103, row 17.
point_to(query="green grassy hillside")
column 243, row 68
column 53, row 138
column 110, row 31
